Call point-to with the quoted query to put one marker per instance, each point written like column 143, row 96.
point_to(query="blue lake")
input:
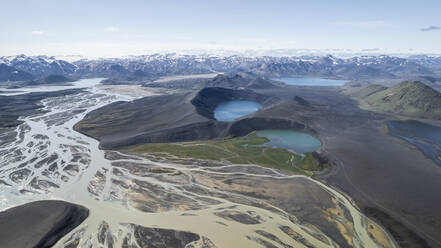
column 232, row 110
column 424, row 136
column 299, row 142
column 306, row 81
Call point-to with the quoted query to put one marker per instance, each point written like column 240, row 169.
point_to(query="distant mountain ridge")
column 328, row 66
column 150, row 66
column 408, row 98
column 9, row 73
column 39, row 66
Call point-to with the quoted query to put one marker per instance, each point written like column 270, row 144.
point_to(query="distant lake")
column 299, row 142
column 311, row 81
column 424, row 136
column 232, row 110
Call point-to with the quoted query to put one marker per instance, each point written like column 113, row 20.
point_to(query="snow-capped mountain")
column 428, row 61
column 39, row 65
column 165, row 64
column 154, row 65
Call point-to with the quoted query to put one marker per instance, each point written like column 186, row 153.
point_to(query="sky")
column 117, row 28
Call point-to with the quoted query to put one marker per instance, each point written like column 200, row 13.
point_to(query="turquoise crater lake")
column 232, row 110
column 307, row 81
column 298, row 142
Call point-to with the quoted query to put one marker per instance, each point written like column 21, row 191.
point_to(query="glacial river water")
column 44, row 158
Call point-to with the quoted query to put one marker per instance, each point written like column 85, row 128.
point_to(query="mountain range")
column 145, row 67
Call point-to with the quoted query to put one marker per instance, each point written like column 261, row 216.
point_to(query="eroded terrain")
column 149, row 200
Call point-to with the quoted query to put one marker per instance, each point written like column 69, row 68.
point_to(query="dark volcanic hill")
column 149, row 120
column 168, row 118
column 408, row 98
column 57, row 79
column 39, row 224
column 51, row 79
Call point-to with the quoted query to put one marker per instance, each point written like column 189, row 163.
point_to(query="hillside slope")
column 369, row 90
column 408, row 98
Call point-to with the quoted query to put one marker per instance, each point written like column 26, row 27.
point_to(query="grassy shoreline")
column 248, row 149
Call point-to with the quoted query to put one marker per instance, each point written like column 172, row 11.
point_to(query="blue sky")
column 115, row 28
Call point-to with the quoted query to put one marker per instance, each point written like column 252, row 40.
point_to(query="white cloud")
column 112, row 29
column 364, row 24
column 37, row 32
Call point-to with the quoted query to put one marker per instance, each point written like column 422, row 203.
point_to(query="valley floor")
column 226, row 195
